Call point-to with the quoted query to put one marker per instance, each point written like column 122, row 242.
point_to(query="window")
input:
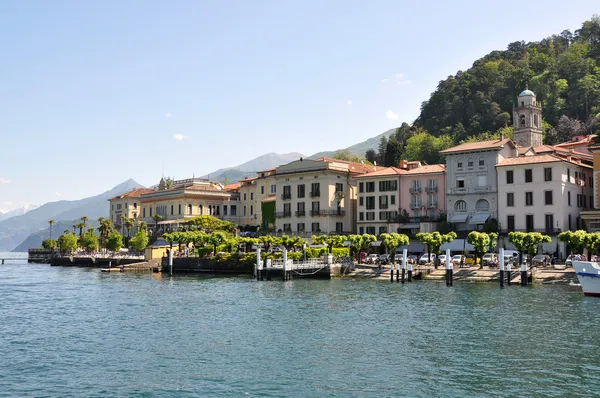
column 535, row 120
column 234, row 210
column 361, row 216
column 300, row 227
column 179, row 208
column 589, row 184
column 569, row 198
column 470, row 162
column 509, row 177
column 482, row 205
column 510, row 223
column 549, row 223
column 522, row 120
column 361, row 230
column 315, row 189
column 251, row 210
column 287, row 192
column 386, row 186
column 339, row 187
column 528, row 175
column 370, row 186
column 510, row 199
column 244, row 196
column 361, row 201
column 287, row 227
column 119, row 205
column 262, row 189
column 370, row 215
column 568, row 175
column 383, row 202
column 529, row 222
column 273, row 188
column 315, row 227
column 393, row 199
column 244, row 210
column 143, row 212
column 361, row 187
column 172, row 209
column 301, row 190
column 300, row 210
column 548, row 198
column 251, row 195
column 528, row 198
column 189, row 209
column 460, row 183
column 459, row 163
column 482, row 181
column 316, row 207
column 112, row 207
column 339, row 227
column 224, row 210
column 371, row 230
column 287, row 209
column 481, row 161
column 135, row 203
column 382, row 230
column 548, row 174
column 370, row 202
column 460, row 205
column 217, row 208
column 569, row 222
column 150, row 211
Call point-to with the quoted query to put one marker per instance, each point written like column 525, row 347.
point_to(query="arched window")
column 481, row 161
column 482, row 205
column 522, row 120
column 460, row 205
column 459, row 163
column 535, row 120
column 470, row 162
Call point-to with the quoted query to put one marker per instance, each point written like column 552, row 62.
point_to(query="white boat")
column 588, row 274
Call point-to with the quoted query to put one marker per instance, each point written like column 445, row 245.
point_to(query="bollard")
column 392, row 272
column 410, row 272
column 404, row 253
column 258, row 263
column 501, row 261
column 284, row 264
column 2, row 261
column 524, row 274
column 448, row 279
column 508, row 271
column 170, row 262
column 451, row 265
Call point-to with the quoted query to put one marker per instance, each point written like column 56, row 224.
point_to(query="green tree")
column 89, row 241
column 139, row 241
column 114, row 241
column 482, row 242
column 576, row 241
column 51, row 223
column 527, row 242
column 366, row 240
column 215, row 239
column 48, row 244
column 67, row 242
column 157, row 218
column 355, row 244
column 433, row 241
column 392, row 241
column 345, row 154
column 169, row 237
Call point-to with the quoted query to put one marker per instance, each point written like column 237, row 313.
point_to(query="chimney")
column 501, row 136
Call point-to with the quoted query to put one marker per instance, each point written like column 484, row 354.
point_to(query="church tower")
column 527, row 120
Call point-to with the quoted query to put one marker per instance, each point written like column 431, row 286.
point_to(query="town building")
column 188, row 198
column 253, row 190
column 317, row 196
column 592, row 217
column 126, row 206
column 527, row 120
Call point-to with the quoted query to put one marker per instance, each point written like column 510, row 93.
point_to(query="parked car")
column 372, row 259
column 458, row 259
column 425, row 260
column 412, row 259
column 442, row 259
column 489, row 259
column 471, row 260
column 541, row 259
column 384, row 259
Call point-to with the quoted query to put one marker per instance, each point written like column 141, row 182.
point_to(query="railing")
column 301, row 213
column 315, row 194
column 472, row 190
column 286, row 196
column 413, row 220
column 432, row 205
column 431, row 189
column 415, row 206
column 283, row 214
column 316, row 213
column 540, row 230
column 415, row 190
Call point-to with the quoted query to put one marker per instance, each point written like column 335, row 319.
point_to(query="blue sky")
column 94, row 93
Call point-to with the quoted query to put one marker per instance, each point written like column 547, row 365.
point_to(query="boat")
column 588, row 274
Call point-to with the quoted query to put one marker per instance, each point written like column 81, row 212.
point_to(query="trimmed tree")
column 433, row 241
column 527, row 242
column 114, row 241
column 482, row 242
column 67, row 242
column 139, row 241
column 49, row 244
column 89, row 241
column 575, row 240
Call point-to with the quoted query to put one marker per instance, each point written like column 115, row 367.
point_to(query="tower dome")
column 527, row 93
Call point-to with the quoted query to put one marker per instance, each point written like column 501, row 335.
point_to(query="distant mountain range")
column 272, row 160
column 16, row 212
column 14, row 230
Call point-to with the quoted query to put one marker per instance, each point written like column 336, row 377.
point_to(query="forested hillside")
column 563, row 70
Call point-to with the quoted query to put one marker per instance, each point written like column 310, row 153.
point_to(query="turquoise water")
column 67, row 332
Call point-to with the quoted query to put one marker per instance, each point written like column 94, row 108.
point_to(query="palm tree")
column 81, row 226
column 84, row 219
column 142, row 226
column 157, row 218
column 129, row 222
column 104, row 228
column 51, row 222
column 74, row 227
column 123, row 218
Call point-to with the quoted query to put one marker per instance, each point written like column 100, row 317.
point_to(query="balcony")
column 431, row 189
column 301, row 213
column 315, row 194
column 415, row 206
column 412, row 220
column 337, row 213
column 415, row 190
column 464, row 190
column 286, row 196
column 545, row 231
column 432, row 205
column 283, row 214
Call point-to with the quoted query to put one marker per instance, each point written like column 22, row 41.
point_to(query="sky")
column 95, row 93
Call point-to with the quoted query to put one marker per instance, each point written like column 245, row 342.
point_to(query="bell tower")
column 527, row 120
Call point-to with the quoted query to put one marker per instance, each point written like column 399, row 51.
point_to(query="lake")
column 67, row 332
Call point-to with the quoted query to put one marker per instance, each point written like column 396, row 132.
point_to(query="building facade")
column 127, row 205
column 253, row 191
column 527, row 120
column 317, row 196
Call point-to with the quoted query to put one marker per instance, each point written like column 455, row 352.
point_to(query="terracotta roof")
column 269, row 199
column 231, row 187
column 543, row 148
column 383, row 171
column 265, row 171
column 354, row 166
column 479, row 145
column 428, row 168
column 134, row 193
column 202, row 187
column 534, row 159
column 578, row 141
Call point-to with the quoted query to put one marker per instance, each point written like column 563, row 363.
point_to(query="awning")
column 457, row 245
column 409, row 226
column 168, row 222
column 459, row 218
column 376, row 243
column 480, row 218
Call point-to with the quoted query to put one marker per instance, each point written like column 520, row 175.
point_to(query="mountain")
column 16, row 212
column 249, row 169
column 357, row 149
column 15, row 230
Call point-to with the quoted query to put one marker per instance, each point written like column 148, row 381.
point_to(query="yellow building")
column 184, row 199
column 126, row 205
column 253, row 191
column 592, row 217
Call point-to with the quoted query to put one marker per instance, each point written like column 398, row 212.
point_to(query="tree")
column 48, row 244
column 157, row 218
column 527, row 242
column 576, row 241
column 51, row 223
column 104, row 229
column 393, row 241
column 139, row 241
column 84, row 219
column 482, row 242
column 371, row 155
column 366, row 240
column 215, row 239
column 129, row 222
column 345, row 154
column 169, row 237
column 67, row 242
column 355, row 244
column 433, row 241
column 81, row 226
column 114, row 241
column 267, row 241
column 210, row 224
column 89, row 241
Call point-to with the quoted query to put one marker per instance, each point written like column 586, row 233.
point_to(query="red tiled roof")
column 479, row 145
column 231, row 187
column 383, row 171
column 428, row 168
column 354, row 166
column 534, row 159
column 134, row 193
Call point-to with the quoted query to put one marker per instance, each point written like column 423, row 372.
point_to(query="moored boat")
column 588, row 274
